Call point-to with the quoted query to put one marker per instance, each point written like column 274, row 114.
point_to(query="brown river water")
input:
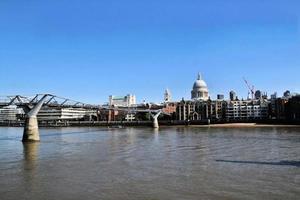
column 183, row 163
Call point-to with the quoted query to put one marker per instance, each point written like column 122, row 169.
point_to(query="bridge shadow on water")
column 280, row 163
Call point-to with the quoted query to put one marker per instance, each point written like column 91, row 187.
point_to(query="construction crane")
column 251, row 89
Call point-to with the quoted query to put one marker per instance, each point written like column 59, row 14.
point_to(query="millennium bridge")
column 32, row 105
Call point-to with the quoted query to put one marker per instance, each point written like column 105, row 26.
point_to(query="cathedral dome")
column 199, row 83
column 200, row 91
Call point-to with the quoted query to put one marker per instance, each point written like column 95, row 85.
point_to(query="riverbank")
column 150, row 123
column 247, row 125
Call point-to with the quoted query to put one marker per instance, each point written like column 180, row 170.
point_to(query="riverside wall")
column 143, row 123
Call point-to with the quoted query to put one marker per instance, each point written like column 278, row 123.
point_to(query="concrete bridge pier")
column 31, row 129
column 155, row 119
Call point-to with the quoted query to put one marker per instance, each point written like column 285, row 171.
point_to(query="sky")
column 87, row 50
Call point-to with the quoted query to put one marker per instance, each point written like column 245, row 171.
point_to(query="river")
column 183, row 163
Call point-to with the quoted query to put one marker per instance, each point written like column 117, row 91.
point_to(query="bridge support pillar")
column 155, row 119
column 31, row 129
column 155, row 123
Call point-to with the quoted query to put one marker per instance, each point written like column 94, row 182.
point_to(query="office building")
column 232, row 95
column 10, row 113
column 244, row 110
column 56, row 114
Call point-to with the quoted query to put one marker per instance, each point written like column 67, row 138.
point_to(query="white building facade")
column 56, row 114
column 10, row 113
column 122, row 101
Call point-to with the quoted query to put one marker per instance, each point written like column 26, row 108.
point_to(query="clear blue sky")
column 87, row 50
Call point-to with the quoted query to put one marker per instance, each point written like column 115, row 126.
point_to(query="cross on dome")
column 199, row 76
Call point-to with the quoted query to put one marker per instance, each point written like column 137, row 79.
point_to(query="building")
column 232, row 95
column 244, row 110
column 286, row 108
column 167, row 96
column 10, row 113
column 287, row 94
column 59, row 114
column 278, row 108
column 274, row 95
column 258, row 94
column 200, row 90
column 220, row 110
column 122, row 101
column 169, row 108
column 292, row 108
column 201, row 110
column 105, row 114
column 220, row 97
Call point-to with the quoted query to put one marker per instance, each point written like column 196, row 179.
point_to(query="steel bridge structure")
column 32, row 105
column 50, row 101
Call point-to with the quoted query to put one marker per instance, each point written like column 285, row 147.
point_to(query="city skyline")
column 149, row 99
column 88, row 51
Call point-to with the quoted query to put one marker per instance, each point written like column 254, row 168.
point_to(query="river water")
column 183, row 163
